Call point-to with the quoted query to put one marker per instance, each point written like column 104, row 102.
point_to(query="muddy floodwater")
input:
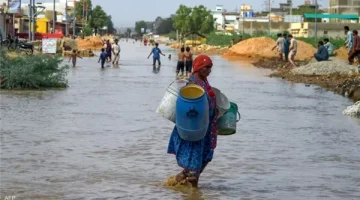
column 101, row 138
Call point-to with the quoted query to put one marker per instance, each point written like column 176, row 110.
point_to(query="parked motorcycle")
column 7, row 41
column 21, row 46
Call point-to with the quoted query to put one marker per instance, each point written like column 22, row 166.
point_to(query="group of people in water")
column 106, row 54
column 108, row 50
column 185, row 60
column 287, row 45
column 184, row 64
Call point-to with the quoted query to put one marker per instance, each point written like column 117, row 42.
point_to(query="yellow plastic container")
column 192, row 91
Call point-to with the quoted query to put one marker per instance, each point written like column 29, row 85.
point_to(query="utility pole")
column 83, row 15
column 33, row 19
column 74, row 26
column 54, row 18
column 269, row 18
column 316, row 10
column 242, row 11
column 66, row 20
column 30, row 18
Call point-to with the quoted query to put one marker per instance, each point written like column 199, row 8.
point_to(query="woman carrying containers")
column 194, row 156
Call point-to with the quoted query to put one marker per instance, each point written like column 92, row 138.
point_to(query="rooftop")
column 333, row 16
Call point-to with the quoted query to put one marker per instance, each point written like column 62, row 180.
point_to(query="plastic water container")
column 227, row 123
column 222, row 102
column 167, row 107
column 192, row 113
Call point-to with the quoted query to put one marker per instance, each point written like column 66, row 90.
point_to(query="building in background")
column 284, row 9
column 217, row 14
column 246, row 11
column 229, row 21
column 344, row 7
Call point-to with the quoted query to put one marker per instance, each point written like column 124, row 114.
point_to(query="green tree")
column 87, row 31
column 139, row 25
column 110, row 25
column 164, row 26
column 182, row 19
column 202, row 20
column 198, row 19
column 128, row 32
column 83, row 6
column 99, row 18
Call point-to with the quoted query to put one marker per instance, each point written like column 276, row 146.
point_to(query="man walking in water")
column 293, row 50
column 188, row 61
column 116, row 51
column 156, row 54
column 108, row 50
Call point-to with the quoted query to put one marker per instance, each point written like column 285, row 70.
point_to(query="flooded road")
column 101, row 137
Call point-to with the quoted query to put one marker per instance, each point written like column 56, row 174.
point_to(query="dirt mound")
column 333, row 66
column 91, row 42
column 262, row 48
column 176, row 46
column 342, row 53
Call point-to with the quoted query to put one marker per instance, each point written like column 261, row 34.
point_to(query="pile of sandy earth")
column 261, row 47
column 91, row 42
column 332, row 66
column 342, row 53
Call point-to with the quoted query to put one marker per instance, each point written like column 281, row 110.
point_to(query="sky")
column 126, row 13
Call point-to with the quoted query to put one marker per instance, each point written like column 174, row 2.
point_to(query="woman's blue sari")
column 194, row 156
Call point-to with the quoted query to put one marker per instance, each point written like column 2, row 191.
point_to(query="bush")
column 32, row 72
column 171, row 35
column 220, row 39
column 337, row 42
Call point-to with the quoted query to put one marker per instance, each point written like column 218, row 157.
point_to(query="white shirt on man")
column 116, row 48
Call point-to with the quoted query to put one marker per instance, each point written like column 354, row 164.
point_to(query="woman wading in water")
column 194, row 156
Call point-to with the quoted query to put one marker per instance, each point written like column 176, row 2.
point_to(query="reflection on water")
column 101, row 137
column 156, row 69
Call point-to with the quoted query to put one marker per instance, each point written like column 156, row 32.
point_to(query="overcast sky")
column 126, row 12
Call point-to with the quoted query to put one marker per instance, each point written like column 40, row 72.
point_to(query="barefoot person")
column 286, row 47
column 116, row 51
column 188, row 61
column 108, row 50
column 73, row 57
column 293, row 50
column 102, row 57
column 194, row 156
column 280, row 43
column 156, row 55
column 181, row 62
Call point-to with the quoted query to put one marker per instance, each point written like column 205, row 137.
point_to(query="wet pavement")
column 101, row 138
